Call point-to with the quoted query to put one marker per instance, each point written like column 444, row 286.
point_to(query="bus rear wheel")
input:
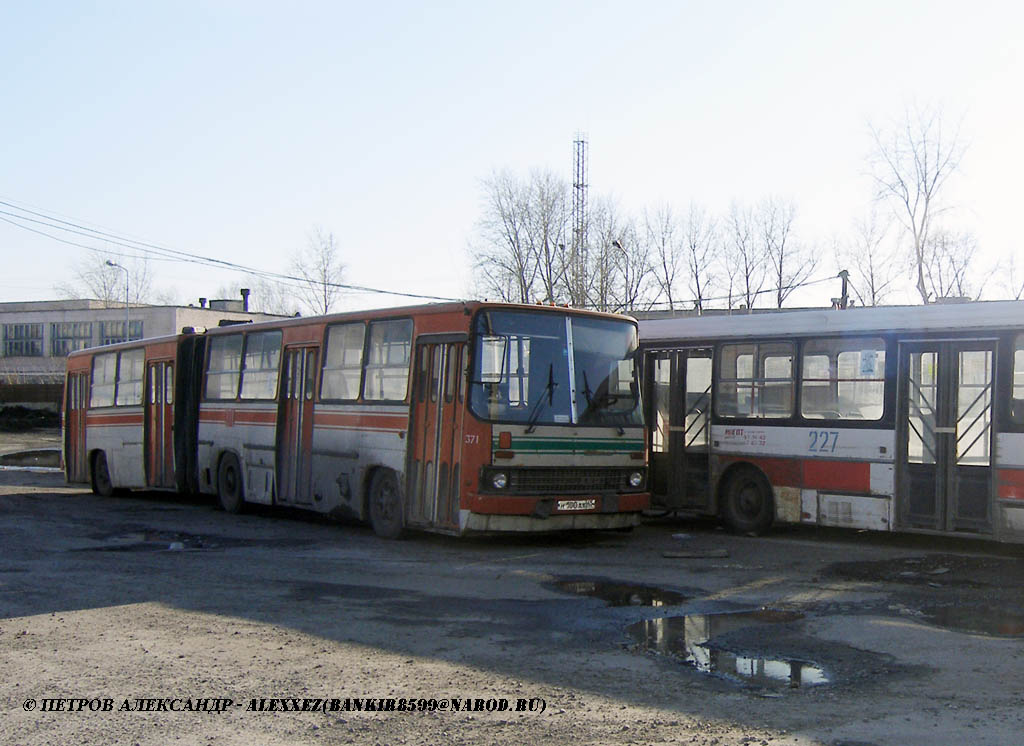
column 747, row 505
column 386, row 505
column 230, row 493
column 101, row 483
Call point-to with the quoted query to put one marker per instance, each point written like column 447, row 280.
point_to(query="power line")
column 163, row 253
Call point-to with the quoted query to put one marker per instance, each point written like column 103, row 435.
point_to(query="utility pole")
column 126, row 317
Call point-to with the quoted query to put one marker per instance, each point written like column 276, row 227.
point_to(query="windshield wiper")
column 531, row 424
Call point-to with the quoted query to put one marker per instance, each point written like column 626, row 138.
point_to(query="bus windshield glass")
column 524, row 362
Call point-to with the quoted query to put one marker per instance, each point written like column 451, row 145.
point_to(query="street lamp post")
column 115, row 264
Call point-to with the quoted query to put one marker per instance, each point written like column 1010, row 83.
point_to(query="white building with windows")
column 35, row 337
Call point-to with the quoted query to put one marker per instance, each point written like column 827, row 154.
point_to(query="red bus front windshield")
column 524, row 362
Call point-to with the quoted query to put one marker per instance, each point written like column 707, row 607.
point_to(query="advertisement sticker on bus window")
column 868, row 360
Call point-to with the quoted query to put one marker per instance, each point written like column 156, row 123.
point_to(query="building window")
column 112, row 332
column 69, row 336
column 23, row 340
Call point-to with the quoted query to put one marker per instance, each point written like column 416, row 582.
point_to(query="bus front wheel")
column 748, row 507
column 229, row 484
column 386, row 508
column 101, row 483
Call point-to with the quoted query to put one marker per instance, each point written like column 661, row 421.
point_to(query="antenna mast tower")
column 579, row 221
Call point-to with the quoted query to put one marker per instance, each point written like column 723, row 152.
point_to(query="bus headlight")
column 499, row 480
column 636, row 478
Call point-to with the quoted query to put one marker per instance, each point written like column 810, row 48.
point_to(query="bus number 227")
column 823, row 441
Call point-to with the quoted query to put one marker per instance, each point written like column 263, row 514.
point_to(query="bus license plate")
column 577, row 504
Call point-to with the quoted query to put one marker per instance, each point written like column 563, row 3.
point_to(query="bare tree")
column 911, row 164
column 661, row 237
column 873, row 260
column 546, row 227
column 520, row 255
column 634, row 286
column 790, row 263
column 947, row 266
column 744, row 261
column 96, row 277
column 321, row 270
column 619, row 271
column 701, row 237
column 1011, row 281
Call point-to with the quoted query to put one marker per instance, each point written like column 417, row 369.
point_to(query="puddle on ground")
column 179, row 541
column 619, row 594
column 689, row 638
column 984, row 620
column 154, row 541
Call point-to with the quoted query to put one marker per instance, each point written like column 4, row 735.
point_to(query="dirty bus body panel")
column 906, row 419
column 398, row 417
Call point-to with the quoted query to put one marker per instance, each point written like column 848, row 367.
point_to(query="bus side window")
column 104, row 378
column 1017, row 397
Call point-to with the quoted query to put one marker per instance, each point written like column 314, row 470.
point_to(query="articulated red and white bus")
column 890, row 418
column 129, row 421
column 458, row 417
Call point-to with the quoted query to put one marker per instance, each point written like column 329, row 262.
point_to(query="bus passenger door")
column 159, row 436
column 75, row 411
column 436, row 435
column 679, row 390
column 945, row 435
column 295, row 426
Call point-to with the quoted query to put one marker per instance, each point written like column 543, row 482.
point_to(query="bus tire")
column 387, row 508
column 101, row 483
column 747, row 503
column 230, row 493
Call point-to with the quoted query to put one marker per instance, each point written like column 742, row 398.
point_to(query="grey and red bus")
column 454, row 418
column 891, row 418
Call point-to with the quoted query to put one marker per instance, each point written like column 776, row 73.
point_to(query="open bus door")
column 76, row 408
column 295, row 426
column 436, row 434
column 679, row 397
column 159, row 434
column 945, row 435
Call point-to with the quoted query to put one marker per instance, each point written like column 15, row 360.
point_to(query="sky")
column 231, row 129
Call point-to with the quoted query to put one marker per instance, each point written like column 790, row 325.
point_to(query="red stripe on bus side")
column 114, row 419
column 781, row 472
column 375, row 421
column 843, row 476
column 1010, row 484
column 241, row 417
